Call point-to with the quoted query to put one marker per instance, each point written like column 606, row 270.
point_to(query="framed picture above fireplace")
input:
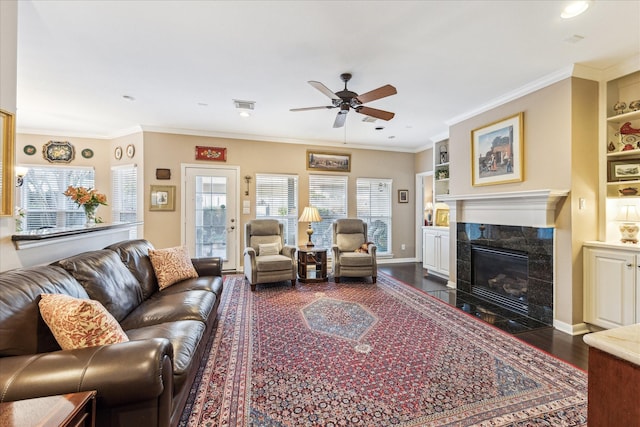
column 497, row 152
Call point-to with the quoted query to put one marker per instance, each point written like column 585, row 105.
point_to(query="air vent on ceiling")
column 247, row 105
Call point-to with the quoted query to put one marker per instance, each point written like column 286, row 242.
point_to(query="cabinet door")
column 610, row 292
column 429, row 254
column 444, row 253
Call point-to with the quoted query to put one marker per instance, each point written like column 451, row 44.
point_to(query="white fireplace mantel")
column 534, row 208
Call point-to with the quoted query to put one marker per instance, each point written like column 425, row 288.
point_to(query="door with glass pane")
column 211, row 227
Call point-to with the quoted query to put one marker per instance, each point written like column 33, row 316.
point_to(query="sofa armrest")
column 208, row 266
column 121, row 373
column 289, row 251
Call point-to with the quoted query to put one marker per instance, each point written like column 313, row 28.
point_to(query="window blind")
column 374, row 207
column 277, row 198
column 328, row 193
column 124, row 194
column 42, row 199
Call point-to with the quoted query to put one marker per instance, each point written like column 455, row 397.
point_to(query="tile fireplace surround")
column 521, row 221
column 536, row 242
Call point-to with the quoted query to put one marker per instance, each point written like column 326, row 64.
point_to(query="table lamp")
column 310, row 214
column 628, row 216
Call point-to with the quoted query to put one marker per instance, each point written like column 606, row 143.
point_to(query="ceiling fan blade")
column 340, row 119
column 381, row 92
column 326, row 107
column 322, row 88
column 373, row 112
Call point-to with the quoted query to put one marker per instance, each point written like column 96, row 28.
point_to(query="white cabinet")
column 612, row 286
column 435, row 250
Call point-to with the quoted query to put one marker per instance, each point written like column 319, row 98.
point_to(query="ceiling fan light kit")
column 347, row 100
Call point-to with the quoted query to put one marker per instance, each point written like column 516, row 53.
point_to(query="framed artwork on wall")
column 322, row 161
column 162, row 198
column 497, row 155
column 624, row 170
column 403, row 196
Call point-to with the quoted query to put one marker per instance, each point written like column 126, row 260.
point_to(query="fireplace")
column 510, row 266
column 500, row 276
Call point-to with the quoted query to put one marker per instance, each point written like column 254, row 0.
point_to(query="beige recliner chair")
column 266, row 258
column 350, row 259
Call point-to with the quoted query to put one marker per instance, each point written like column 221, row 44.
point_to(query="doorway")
column 210, row 212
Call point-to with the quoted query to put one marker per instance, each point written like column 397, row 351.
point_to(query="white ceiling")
column 185, row 62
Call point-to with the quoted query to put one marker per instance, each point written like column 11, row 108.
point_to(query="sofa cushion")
column 135, row 255
column 172, row 265
column 185, row 337
column 22, row 330
column 349, row 242
column 202, row 283
column 79, row 323
column 356, row 259
column 268, row 249
column 106, row 279
column 169, row 307
column 273, row 263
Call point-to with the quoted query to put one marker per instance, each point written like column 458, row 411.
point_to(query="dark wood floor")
column 571, row 349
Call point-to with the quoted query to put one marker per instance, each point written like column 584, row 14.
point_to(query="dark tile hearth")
column 506, row 320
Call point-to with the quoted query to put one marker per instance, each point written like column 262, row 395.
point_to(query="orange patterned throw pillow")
column 172, row 265
column 79, row 323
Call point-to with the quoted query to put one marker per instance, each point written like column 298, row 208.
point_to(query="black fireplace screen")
column 500, row 276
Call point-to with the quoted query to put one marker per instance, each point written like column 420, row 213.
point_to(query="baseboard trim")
column 395, row 260
column 577, row 329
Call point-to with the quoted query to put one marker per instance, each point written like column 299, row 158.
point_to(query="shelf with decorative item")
column 623, row 133
column 626, row 189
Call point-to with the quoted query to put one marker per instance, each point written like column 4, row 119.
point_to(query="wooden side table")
column 312, row 264
column 73, row 409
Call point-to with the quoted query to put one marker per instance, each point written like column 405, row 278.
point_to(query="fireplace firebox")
column 521, row 274
column 500, row 276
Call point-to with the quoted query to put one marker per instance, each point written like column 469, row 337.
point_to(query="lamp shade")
column 310, row 214
column 628, row 213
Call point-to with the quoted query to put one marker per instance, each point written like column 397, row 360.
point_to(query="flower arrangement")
column 19, row 214
column 87, row 198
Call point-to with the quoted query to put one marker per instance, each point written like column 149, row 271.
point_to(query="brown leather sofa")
column 142, row 382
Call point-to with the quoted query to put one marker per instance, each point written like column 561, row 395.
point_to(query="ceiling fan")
column 346, row 100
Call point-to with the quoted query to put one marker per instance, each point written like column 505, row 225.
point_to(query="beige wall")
column 164, row 150
column 560, row 152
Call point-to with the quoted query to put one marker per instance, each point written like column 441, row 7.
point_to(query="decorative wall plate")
column 87, row 153
column 131, row 150
column 118, row 153
column 29, row 150
column 58, row 152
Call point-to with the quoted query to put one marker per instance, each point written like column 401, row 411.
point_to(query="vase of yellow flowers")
column 89, row 199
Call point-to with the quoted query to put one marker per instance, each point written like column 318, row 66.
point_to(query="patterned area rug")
column 363, row 354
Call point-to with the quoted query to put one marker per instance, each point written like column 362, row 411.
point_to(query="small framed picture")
column 624, row 170
column 162, row 198
column 403, row 196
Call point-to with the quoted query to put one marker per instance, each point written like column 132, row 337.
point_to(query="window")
column 42, row 198
column 277, row 198
column 124, row 194
column 329, row 195
column 374, row 207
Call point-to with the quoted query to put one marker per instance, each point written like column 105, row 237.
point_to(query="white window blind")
column 42, row 198
column 374, row 207
column 328, row 193
column 124, row 194
column 277, row 198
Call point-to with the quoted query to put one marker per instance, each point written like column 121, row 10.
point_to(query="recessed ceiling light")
column 391, row 137
column 128, row 97
column 574, row 38
column 574, row 9
column 203, row 104
column 379, row 127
